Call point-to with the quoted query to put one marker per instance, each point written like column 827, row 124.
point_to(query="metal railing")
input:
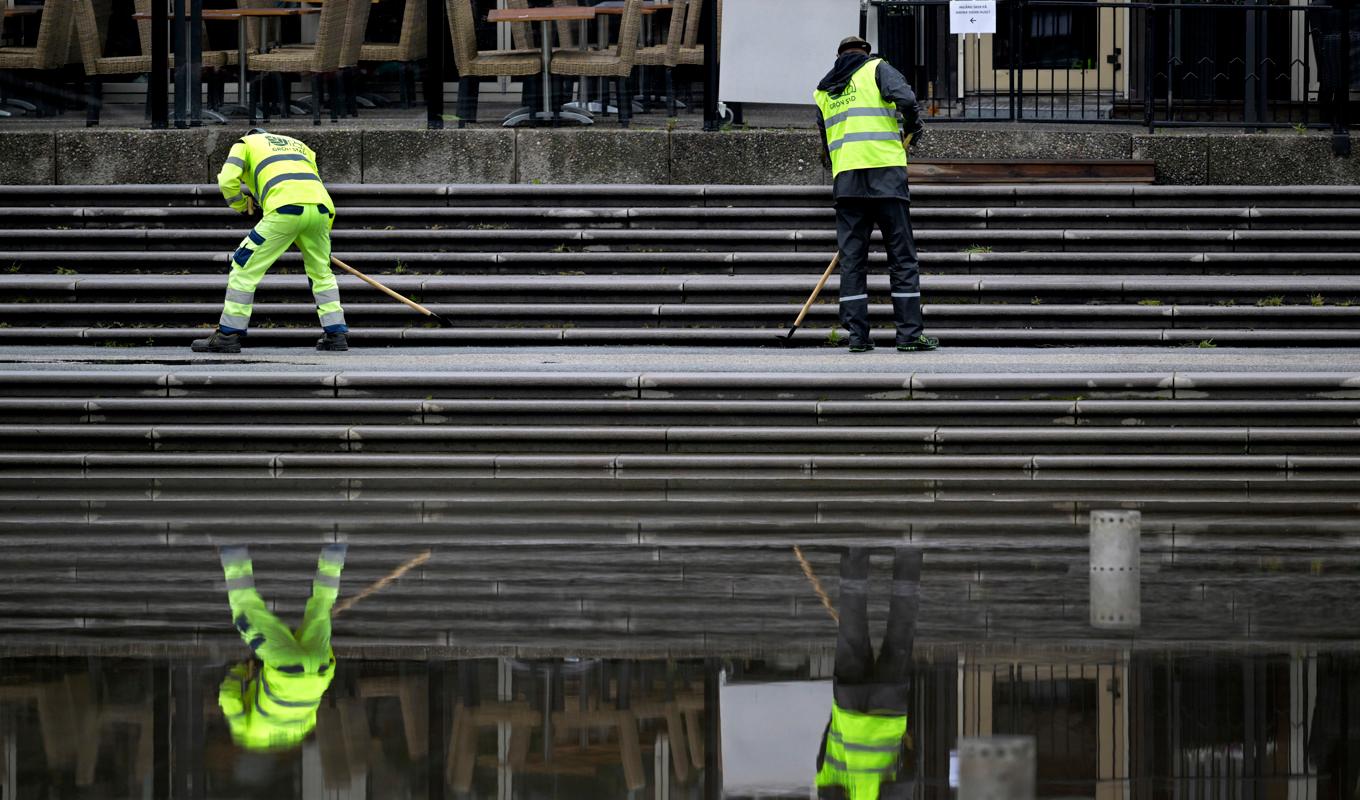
column 1257, row 64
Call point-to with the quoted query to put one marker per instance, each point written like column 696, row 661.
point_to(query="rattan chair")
column 474, row 64
column 691, row 52
column 615, row 63
column 409, row 48
column 91, row 23
column 52, row 50
column 356, row 24
column 322, row 58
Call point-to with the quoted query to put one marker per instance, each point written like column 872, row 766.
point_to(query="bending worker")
column 279, row 175
column 274, row 707
column 863, row 754
column 858, row 102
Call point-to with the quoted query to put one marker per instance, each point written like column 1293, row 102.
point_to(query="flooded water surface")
column 575, row 637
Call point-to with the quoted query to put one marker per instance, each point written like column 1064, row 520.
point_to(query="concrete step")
column 682, row 265
column 681, row 440
column 1269, row 292
column 630, row 195
column 548, row 335
column 347, row 410
column 729, row 317
column 228, row 381
column 515, row 218
column 1180, row 466
column 819, row 240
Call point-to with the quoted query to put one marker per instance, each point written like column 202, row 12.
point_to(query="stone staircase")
column 1017, row 265
column 279, row 421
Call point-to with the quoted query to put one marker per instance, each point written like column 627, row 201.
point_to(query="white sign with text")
column 972, row 16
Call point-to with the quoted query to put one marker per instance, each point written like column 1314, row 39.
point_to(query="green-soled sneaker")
column 861, row 347
column 921, row 342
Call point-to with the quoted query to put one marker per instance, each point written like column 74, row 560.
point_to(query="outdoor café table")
column 242, row 16
column 309, row 26
column 545, row 17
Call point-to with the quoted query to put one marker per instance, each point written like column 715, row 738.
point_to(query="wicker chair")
column 616, row 62
column 667, row 55
column 323, row 58
column 93, row 17
column 50, row 51
column 409, row 48
column 474, row 64
column 691, row 52
column 355, row 27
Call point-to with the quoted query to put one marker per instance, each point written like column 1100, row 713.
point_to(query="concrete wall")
column 495, row 155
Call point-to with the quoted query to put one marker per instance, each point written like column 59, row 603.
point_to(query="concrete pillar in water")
column 1116, row 593
column 997, row 768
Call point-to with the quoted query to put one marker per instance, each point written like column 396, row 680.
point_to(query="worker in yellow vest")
column 858, row 104
column 271, row 705
column 864, row 749
column 278, row 175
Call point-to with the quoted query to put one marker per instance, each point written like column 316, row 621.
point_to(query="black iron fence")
column 1251, row 64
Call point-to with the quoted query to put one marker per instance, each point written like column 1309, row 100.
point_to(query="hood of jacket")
column 847, row 63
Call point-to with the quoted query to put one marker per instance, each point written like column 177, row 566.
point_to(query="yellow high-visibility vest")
column 861, row 126
column 862, row 751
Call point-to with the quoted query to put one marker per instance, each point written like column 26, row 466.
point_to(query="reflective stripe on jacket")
column 862, row 751
column 275, row 170
column 861, row 126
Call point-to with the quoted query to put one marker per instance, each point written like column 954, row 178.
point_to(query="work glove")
column 913, row 137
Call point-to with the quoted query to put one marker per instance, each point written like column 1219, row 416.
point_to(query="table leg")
column 545, row 29
column 582, row 103
column 241, row 99
column 602, row 32
column 584, row 35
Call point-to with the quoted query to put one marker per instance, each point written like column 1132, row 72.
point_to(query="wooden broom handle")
column 826, row 276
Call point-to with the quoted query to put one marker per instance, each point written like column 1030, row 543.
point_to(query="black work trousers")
column 863, row 683
column 855, row 221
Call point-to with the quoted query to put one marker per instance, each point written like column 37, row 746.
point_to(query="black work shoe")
column 333, row 341
column 219, row 342
column 921, row 342
column 861, row 347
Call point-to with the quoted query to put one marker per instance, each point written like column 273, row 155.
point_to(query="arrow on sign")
column 972, row 19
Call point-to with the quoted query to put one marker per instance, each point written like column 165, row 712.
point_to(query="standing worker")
column 274, row 707
column 278, row 174
column 864, row 749
column 858, row 103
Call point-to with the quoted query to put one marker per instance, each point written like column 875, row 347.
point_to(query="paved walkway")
column 696, row 359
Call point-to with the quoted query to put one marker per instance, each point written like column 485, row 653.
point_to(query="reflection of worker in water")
column 274, row 706
column 863, row 753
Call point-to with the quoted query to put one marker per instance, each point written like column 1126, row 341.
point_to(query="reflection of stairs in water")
column 582, row 565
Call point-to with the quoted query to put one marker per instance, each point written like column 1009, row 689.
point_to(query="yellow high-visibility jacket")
column 274, row 170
